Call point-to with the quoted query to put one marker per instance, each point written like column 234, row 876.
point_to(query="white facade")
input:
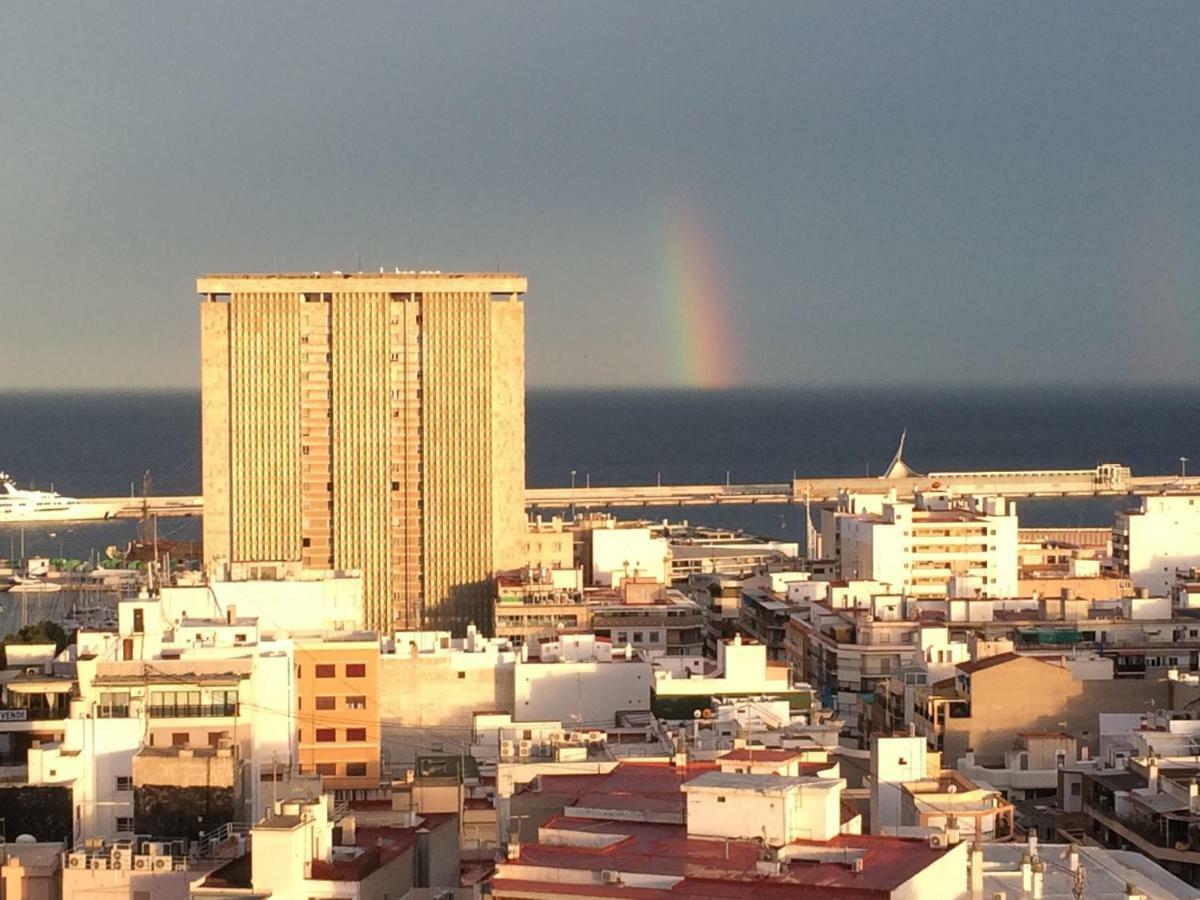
column 580, row 693
column 920, row 549
column 621, row 552
column 894, row 760
column 776, row 809
column 300, row 604
column 1151, row 542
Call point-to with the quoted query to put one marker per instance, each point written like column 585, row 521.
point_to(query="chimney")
column 1152, row 774
column 976, row 869
column 1039, row 879
column 421, row 878
column 1033, row 845
column 1193, row 795
column 1073, row 857
column 1026, row 873
column 1132, row 893
column 349, row 829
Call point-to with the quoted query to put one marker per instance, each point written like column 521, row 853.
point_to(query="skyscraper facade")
column 367, row 421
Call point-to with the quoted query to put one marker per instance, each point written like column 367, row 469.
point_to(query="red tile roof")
column 989, row 662
column 708, row 870
column 761, row 754
column 650, row 787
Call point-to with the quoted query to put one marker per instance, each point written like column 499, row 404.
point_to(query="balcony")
column 198, row 711
column 36, row 710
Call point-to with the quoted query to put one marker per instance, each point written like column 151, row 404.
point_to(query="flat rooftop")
column 388, row 281
column 718, row 868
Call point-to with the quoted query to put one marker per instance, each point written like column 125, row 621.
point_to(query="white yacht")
column 17, row 505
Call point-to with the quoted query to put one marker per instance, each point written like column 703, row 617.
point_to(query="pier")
column 1107, row 480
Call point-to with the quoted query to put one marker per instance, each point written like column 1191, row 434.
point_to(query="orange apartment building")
column 337, row 711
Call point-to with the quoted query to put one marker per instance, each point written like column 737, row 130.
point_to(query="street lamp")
column 1183, row 461
column 572, row 479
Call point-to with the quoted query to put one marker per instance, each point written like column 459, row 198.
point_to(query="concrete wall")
column 620, row 551
column 587, row 693
column 1030, row 695
column 89, row 884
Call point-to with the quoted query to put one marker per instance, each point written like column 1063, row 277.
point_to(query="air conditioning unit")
column 97, row 862
column 507, row 749
column 157, row 848
column 597, row 737
column 938, row 842
column 122, row 858
column 142, row 863
column 558, row 737
column 76, row 860
column 161, row 864
column 525, row 748
column 610, row 876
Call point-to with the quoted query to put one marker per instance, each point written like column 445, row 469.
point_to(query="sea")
column 104, row 444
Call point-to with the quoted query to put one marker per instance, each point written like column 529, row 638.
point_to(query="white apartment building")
column 937, row 547
column 1159, row 536
column 622, row 552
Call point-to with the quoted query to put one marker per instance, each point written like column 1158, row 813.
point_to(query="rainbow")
column 704, row 349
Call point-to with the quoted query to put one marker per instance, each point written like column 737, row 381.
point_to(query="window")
column 113, row 705
column 637, row 637
column 1076, row 788
column 356, row 703
column 356, row 734
column 124, row 823
column 462, row 675
column 179, row 739
column 356, row 769
column 124, row 783
column 326, row 735
column 139, row 621
column 326, row 671
column 327, row 703
column 326, row 768
column 720, row 799
column 356, row 670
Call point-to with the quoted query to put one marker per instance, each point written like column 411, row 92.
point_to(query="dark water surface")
column 95, row 444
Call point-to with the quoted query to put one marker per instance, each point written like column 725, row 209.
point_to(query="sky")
column 701, row 194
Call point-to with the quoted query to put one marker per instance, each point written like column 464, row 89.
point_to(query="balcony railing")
column 202, row 710
column 32, row 713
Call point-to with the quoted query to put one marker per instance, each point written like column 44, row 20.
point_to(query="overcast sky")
column 892, row 192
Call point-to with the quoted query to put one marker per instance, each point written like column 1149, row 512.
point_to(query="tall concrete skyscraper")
column 370, row 422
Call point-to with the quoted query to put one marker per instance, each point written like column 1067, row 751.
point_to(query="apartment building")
column 368, row 422
column 1158, row 536
column 338, row 711
column 938, row 546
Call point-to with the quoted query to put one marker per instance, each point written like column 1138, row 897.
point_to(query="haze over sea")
column 98, row 444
